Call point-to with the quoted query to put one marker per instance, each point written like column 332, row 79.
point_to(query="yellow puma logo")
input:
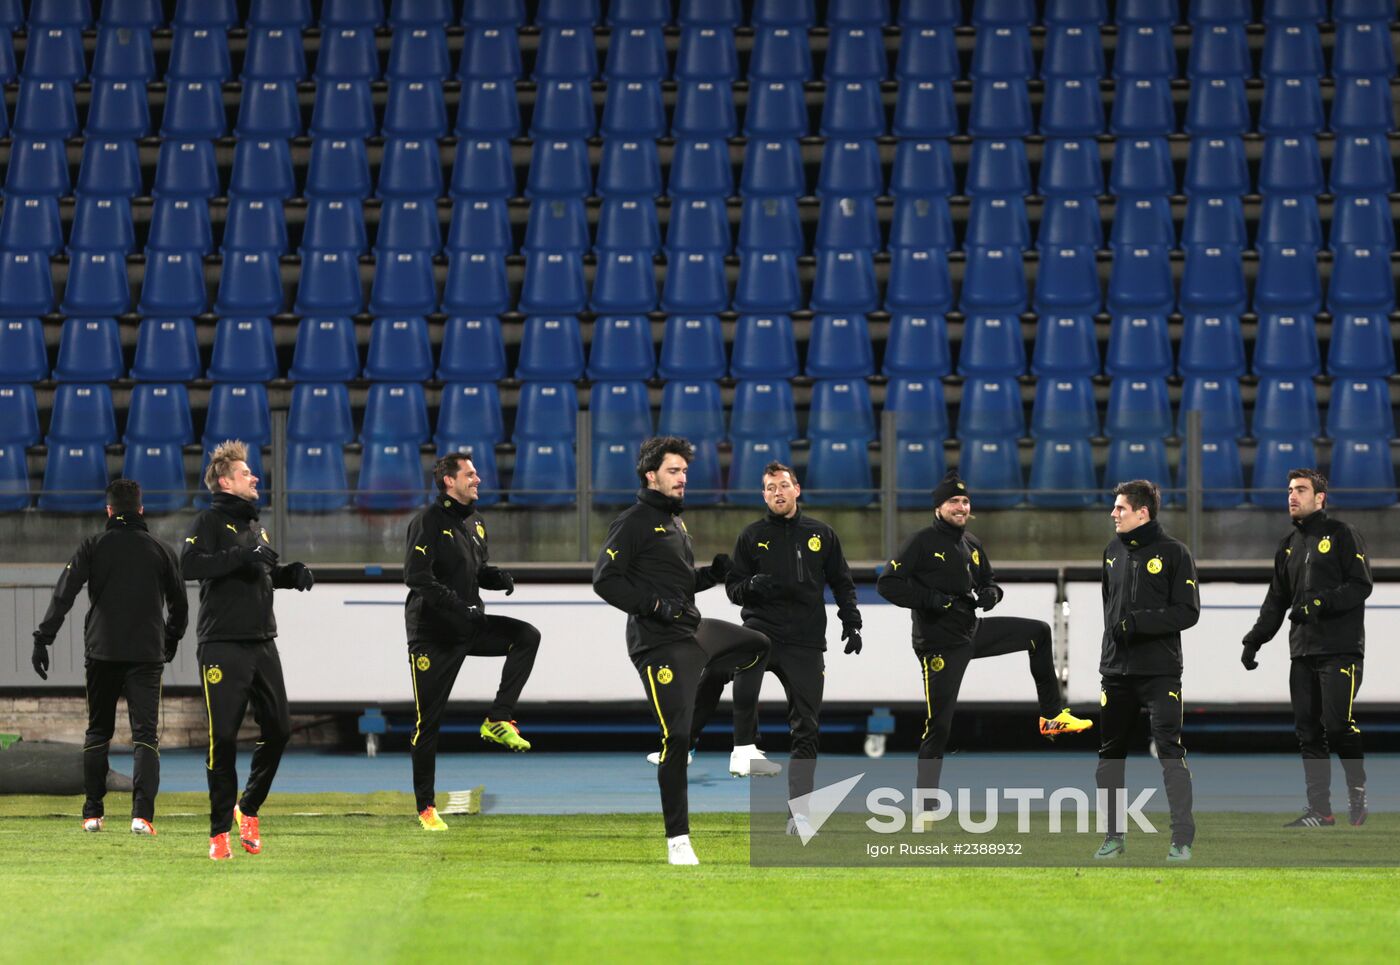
column 1345, row 671
column 191, row 539
column 447, row 532
column 763, row 546
column 1110, row 561
column 422, row 549
column 1190, row 582
column 659, row 529
column 894, row 564
column 1361, row 557
column 612, row 554
column 230, row 527
column 941, row 557
column 1172, row 693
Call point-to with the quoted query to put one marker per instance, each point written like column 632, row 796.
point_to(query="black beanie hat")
column 951, row 486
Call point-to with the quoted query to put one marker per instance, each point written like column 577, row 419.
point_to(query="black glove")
column 987, row 597
column 967, row 599
column 1309, row 611
column 1247, row 657
column 41, row 659
column 172, row 644
column 720, row 567
column 302, row 577
column 668, row 610
column 852, row 637
column 1123, row 629
column 495, row 578
column 760, row 587
column 260, row 553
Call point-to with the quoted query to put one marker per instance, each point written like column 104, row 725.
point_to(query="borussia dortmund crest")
column 213, row 675
column 422, row 663
column 815, row 544
column 1154, row 565
column 664, row 675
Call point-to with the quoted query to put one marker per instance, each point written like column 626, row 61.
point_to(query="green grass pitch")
column 371, row 887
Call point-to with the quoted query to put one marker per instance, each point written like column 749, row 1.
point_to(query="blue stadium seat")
column 1273, row 459
column 1287, row 280
column 1291, row 165
column 1212, row 12
column 559, row 169
column 702, row 167
column 839, row 347
column 621, row 349
column 1285, row 405
column 994, row 280
column 1000, row 108
column 1213, row 281
column 625, row 13
column 1142, row 166
column 206, row 13
column 1137, row 459
column 991, row 407
column 546, row 410
column 159, row 413
column 624, row 282
column 325, row 351
column 1072, row 50
column 764, row 347
column 768, row 282
column 1211, row 344
column 1143, row 108
column 32, row 224
column 992, row 346
column 329, row 284
column 343, row 108
column 83, row 413
column 46, row 109
column 991, row 466
column 352, row 13
column 633, row 109
column 395, row 411
column 321, row 412
column 557, row 225
column 1138, row 408
column 23, row 357
column 921, row 222
column 1360, row 346
column 1062, row 474
column 391, row 476
column 1141, row 280
column 614, row 472
column 399, row 350
column 482, row 224
column 55, row 54
column 1290, row 220
column 173, row 286
column 20, row 412
column 490, row 52
column 472, row 350
column 1292, row 107
column 551, row 349
column 695, row 282
column 771, row 167
column 763, row 409
column 193, row 110
column 693, row 348
column 838, row 473
column 1216, row 166
column 294, row 16
column 1362, row 105
column 998, row 167
column 1292, row 49
column 470, row 410
column 143, row 14
column 410, row 168
column 1218, row 106
column 239, row 411
column 1362, row 49
column 26, row 287
column 476, row 283
column 770, row 223
column 1003, row 52
column 97, row 285
column 274, row 53
column 1361, row 280
column 1064, row 408
column 408, row 224
column 567, row 12
column 699, row 224
column 488, row 109
column 566, row 52
column 1362, row 463
column 845, row 282
column 419, row 53
column 850, row 13
column 1360, row 407
column 100, row 224
column 249, row 285
column 1067, row 280
column 262, row 169
column 553, row 283
column 1154, row 12
column 1218, row 400
column 74, row 478
column 918, row 281
column 997, row 222
column 637, row 52
column 118, row 109
column 850, row 168
column 1215, row 221
column 620, row 410
column 563, row 109
column 852, row 109
column 917, row 345
column 919, row 408
column 255, row 224
column 791, row 13
column 269, row 109
column 706, row 54
column 923, row 167
column 1145, row 52
column 841, row 409
column 1222, row 473
column 777, row 109
column 937, row 13
column 316, row 480
column 186, row 169
column 89, row 350
column 180, row 224
column 403, row 284
column 336, row 224
column 199, row 54
column 109, row 168
column 482, row 168
column 1361, row 220
column 508, row 13
column 628, row 223
column 1072, row 107
column 1219, row 50
column 691, row 409
column 244, row 351
column 1143, row 221
column 746, row 467
column 918, row 468
column 780, row 53
column 1070, row 167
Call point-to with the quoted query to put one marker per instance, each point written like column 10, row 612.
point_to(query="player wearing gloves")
column 647, row 570
column 230, row 555
column 137, row 613
column 1321, row 581
column 446, row 565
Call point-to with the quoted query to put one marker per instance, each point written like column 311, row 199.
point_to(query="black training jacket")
column 235, row 589
column 136, row 598
column 1152, row 577
column 647, row 557
column 446, row 565
column 933, row 570
column 1322, row 564
column 803, row 555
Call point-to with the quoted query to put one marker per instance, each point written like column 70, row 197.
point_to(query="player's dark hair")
column 447, row 466
column 1141, row 494
column 1318, row 480
column 124, row 496
column 657, row 448
column 775, row 467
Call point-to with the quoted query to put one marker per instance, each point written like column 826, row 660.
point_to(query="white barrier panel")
column 1211, row 649
column 345, row 642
